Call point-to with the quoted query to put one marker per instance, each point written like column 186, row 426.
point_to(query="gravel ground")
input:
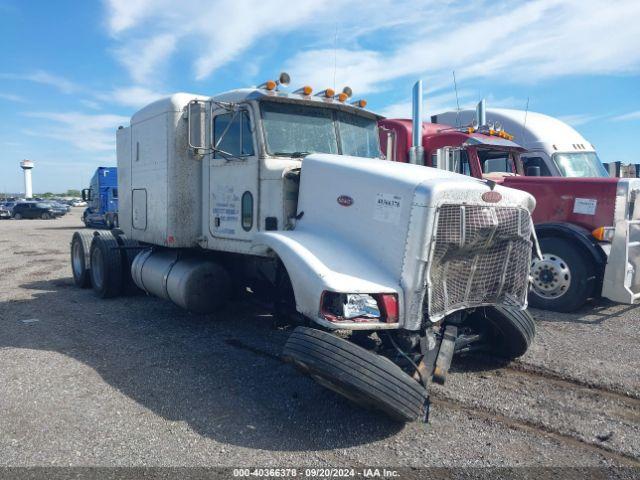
column 136, row 381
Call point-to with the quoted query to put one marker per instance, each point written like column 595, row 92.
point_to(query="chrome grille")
column 481, row 256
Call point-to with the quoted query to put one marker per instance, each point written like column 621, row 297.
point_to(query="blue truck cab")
column 102, row 198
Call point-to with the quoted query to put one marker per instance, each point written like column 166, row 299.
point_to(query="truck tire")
column 512, row 330
column 80, row 260
column 106, row 266
column 564, row 280
column 365, row 378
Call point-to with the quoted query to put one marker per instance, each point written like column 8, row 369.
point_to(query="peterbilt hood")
column 412, row 221
column 337, row 185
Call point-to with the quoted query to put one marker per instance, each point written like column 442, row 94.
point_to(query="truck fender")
column 316, row 262
column 577, row 234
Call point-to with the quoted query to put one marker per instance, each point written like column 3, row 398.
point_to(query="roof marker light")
column 345, row 94
column 360, row 103
column 306, row 91
column 284, row 79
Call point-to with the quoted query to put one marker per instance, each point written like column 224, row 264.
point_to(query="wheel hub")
column 551, row 276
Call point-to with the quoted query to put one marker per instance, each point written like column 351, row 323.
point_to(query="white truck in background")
column 554, row 149
column 283, row 195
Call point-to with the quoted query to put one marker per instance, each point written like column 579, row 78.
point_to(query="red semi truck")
column 589, row 228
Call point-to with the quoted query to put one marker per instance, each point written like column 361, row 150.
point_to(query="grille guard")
column 481, row 256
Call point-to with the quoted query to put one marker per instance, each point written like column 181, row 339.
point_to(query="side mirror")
column 86, row 194
column 533, row 171
column 196, row 121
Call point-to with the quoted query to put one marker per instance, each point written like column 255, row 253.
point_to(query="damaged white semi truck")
column 388, row 269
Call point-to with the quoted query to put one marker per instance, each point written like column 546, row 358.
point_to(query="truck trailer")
column 283, row 195
column 553, row 148
column 102, row 198
column 589, row 228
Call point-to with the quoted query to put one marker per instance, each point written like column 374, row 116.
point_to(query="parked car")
column 9, row 205
column 5, row 212
column 33, row 210
column 78, row 203
column 59, row 209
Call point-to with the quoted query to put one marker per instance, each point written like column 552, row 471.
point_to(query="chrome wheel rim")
column 551, row 276
column 77, row 259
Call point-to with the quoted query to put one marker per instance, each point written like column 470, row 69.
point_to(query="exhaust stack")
column 416, row 152
column 481, row 114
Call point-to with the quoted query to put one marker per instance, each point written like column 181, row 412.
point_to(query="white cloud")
column 124, row 14
column 143, row 57
column 627, row 116
column 133, row 96
column 511, row 42
column 83, row 131
column 44, row 78
column 90, row 104
column 578, row 119
column 12, row 98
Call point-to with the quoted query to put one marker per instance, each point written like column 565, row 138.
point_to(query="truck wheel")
column 80, row 249
column 563, row 279
column 511, row 330
column 106, row 266
column 365, row 378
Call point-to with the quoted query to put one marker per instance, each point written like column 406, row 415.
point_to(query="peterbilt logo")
column 345, row 200
column 491, row 196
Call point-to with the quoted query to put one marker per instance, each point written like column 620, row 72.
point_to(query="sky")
column 71, row 72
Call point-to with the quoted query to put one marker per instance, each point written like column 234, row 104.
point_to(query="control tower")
column 27, row 166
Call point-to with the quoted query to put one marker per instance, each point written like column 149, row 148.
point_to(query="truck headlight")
column 359, row 307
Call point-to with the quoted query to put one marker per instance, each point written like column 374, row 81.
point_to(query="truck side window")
column 114, row 192
column 237, row 140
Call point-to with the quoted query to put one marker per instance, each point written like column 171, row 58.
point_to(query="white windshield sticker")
column 387, row 208
column 585, row 206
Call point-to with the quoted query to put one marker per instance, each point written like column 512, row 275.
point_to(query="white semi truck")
column 554, row 148
column 284, row 195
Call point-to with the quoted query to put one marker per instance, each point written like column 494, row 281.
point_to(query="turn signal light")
column 342, row 97
column 603, row 234
column 329, row 93
column 270, row 85
column 360, row 103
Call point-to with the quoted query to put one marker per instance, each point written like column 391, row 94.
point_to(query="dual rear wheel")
column 99, row 261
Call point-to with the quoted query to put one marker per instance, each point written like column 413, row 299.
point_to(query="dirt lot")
column 137, row 381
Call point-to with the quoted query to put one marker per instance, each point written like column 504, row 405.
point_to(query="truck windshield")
column 579, row 164
column 495, row 161
column 297, row 130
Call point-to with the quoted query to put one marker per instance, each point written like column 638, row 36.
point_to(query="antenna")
column 335, row 56
column 524, row 125
column 455, row 87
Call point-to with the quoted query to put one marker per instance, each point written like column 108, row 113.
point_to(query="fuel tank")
column 191, row 282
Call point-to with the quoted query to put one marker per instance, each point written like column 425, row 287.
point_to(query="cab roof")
column 177, row 101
